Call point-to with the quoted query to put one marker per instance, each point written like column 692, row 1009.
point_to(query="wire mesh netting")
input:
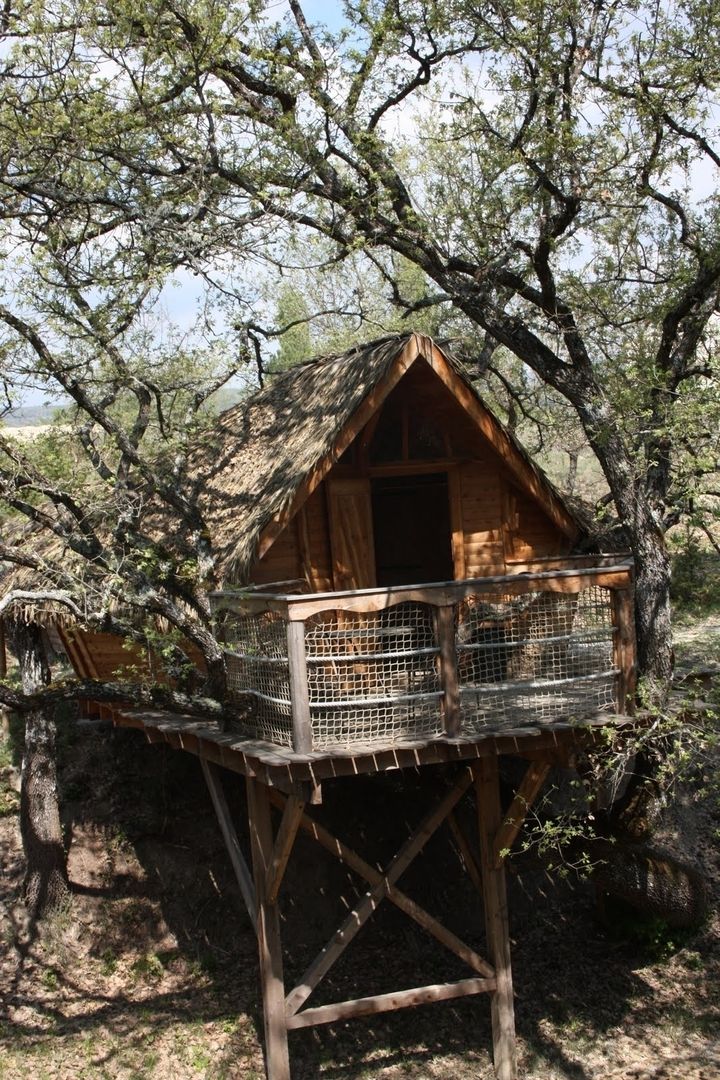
column 258, row 673
column 374, row 678
column 534, row 658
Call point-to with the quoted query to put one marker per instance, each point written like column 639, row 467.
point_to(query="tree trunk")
column 46, row 886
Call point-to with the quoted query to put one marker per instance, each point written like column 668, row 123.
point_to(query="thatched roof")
column 268, row 444
column 263, row 450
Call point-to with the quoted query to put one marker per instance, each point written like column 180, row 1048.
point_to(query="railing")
column 377, row 667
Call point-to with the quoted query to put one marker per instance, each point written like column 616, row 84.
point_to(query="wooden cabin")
column 409, row 565
column 379, row 467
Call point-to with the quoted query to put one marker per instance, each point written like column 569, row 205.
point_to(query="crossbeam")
column 372, row 899
column 519, row 808
column 292, row 815
column 373, row 876
column 399, row 999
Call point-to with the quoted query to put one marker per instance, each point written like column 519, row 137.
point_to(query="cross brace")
column 270, row 857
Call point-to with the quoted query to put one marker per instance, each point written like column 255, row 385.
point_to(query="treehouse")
column 406, row 565
column 401, row 589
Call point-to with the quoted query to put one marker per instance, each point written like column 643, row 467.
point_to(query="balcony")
column 458, row 660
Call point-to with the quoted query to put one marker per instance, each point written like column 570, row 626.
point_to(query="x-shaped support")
column 271, row 851
column 382, row 886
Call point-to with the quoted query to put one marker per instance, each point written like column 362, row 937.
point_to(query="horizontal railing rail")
column 419, row 661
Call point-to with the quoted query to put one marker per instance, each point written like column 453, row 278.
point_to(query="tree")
column 555, row 198
column 551, row 191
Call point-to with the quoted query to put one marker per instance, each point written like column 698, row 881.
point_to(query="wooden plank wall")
column 282, row 561
column 482, row 516
column 529, row 532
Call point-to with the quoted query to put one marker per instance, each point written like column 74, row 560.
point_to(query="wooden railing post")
column 299, row 691
column 624, row 647
column 445, row 624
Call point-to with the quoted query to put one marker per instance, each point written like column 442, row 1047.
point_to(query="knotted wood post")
column 487, row 795
column 445, row 629
column 299, row 690
column 624, row 657
column 277, row 1058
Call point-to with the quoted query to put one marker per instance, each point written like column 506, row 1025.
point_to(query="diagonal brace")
column 372, row 899
column 242, row 873
column 373, row 876
column 519, row 808
column 292, row 815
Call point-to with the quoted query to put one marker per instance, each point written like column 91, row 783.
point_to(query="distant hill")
column 30, row 415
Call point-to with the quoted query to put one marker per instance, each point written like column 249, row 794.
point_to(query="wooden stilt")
column 487, row 794
column 268, row 931
column 244, row 879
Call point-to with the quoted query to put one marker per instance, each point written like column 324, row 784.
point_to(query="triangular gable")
column 420, row 348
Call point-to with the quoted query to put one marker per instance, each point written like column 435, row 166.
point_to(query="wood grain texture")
column 399, row 999
column 277, row 1058
column 487, row 794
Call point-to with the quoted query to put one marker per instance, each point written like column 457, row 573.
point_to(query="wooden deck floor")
column 284, row 768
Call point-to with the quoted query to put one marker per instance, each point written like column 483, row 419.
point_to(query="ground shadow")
column 156, row 880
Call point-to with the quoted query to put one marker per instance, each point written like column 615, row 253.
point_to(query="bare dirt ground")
column 151, row 972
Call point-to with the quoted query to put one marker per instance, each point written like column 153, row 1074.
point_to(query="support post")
column 445, row 624
column 487, row 794
column 277, row 1060
column 299, row 693
column 292, row 816
column 525, row 796
column 624, row 647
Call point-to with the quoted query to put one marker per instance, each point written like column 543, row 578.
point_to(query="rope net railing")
column 524, row 659
column 258, row 673
column 534, row 658
column 373, row 677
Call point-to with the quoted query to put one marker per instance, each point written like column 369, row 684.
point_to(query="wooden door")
column 351, row 532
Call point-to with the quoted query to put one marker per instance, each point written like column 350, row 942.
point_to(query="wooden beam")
column 299, row 691
column 292, row 815
column 372, row 899
column 514, row 819
column 399, row 999
column 445, row 628
column 487, row 794
column 466, row 852
column 457, row 526
column 439, row 594
column 277, row 1059
column 242, row 873
column 373, row 876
